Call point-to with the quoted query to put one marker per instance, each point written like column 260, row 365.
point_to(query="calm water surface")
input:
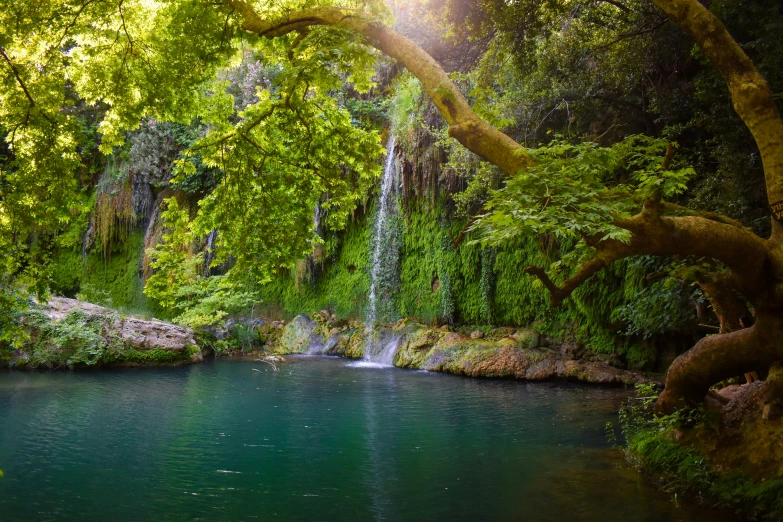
column 318, row 440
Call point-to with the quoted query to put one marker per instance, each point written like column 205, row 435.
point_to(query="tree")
column 754, row 266
column 280, row 156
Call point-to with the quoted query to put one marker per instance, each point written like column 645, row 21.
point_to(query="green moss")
column 153, row 356
column 115, row 281
column 341, row 284
column 685, row 472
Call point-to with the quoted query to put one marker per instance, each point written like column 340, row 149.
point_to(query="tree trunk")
column 720, row 356
column 728, row 305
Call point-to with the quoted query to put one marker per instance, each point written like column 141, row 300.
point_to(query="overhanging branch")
column 588, row 269
column 464, row 124
column 737, row 247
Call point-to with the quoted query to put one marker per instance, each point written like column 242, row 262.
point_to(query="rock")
column 571, row 350
column 149, row 335
column 499, row 333
column 140, row 334
column 527, row 338
column 299, row 335
column 509, row 352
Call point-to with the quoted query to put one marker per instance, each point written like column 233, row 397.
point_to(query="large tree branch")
column 669, row 207
column 738, row 248
column 750, row 93
column 720, row 356
column 587, row 270
column 464, row 124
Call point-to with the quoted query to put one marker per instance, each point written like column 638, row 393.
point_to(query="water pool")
column 320, row 439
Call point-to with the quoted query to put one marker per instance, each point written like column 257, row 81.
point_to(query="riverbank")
column 728, row 453
column 67, row 333
column 518, row 353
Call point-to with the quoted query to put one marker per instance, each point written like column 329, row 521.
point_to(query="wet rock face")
column 138, row 334
column 504, row 352
column 516, row 356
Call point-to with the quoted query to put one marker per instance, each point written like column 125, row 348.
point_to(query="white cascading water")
column 384, row 209
column 378, row 350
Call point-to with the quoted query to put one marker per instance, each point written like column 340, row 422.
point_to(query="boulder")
column 140, row 334
column 299, row 335
column 136, row 341
column 527, row 338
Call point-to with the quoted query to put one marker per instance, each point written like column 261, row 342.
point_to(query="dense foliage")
column 222, row 145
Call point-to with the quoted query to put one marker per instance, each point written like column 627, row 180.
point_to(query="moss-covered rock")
column 504, row 352
column 71, row 333
column 299, row 336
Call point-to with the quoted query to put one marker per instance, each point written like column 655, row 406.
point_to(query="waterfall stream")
column 384, row 274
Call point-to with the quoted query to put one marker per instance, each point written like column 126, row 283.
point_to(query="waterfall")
column 209, row 252
column 384, row 274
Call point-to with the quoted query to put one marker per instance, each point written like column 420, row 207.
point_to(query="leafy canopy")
column 282, row 151
column 580, row 190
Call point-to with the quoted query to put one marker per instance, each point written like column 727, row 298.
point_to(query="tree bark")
column 717, row 357
column 723, row 293
column 750, row 93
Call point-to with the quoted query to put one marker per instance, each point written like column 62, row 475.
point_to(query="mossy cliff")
column 114, row 280
column 440, row 284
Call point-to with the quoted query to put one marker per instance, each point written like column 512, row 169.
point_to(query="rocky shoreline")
column 516, row 353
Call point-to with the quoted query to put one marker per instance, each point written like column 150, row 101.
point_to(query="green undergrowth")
column 680, row 470
column 113, row 281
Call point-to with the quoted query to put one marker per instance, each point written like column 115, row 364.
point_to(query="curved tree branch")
column 717, row 356
column 738, row 248
column 750, row 93
column 587, row 270
column 668, row 207
column 464, row 124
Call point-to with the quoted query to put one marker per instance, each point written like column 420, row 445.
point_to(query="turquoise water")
column 318, row 440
